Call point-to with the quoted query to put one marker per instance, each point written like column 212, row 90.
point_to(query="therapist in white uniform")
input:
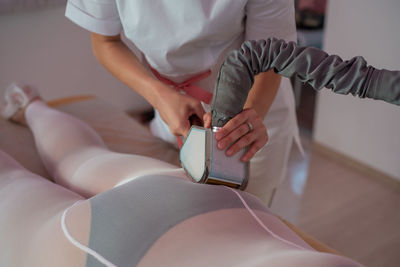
column 183, row 44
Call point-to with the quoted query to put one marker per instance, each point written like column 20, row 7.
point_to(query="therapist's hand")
column 236, row 134
column 176, row 110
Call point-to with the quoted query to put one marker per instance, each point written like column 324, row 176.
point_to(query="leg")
column 269, row 165
column 32, row 209
column 269, row 168
column 77, row 157
column 30, row 212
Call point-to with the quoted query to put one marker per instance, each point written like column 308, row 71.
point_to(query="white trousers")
column 269, row 166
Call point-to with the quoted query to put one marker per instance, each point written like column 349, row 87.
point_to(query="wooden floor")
column 342, row 207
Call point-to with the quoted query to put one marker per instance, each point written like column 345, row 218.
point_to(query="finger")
column 233, row 136
column 194, row 120
column 180, row 126
column 231, row 125
column 207, row 120
column 198, row 109
column 243, row 142
column 258, row 137
column 255, row 147
column 185, row 128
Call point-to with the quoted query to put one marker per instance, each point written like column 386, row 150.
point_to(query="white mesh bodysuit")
column 157, row 218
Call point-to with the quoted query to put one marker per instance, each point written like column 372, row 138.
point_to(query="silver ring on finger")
column 251, row 128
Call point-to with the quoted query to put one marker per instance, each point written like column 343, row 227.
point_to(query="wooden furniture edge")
column 315, row 244
column 68, row 100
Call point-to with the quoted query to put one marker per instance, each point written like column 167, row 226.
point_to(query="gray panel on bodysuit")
column 127, row 220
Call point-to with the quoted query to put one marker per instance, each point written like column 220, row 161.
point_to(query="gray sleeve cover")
column 312, row 65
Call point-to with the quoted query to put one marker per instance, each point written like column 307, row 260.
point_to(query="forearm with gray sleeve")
column 312, row 65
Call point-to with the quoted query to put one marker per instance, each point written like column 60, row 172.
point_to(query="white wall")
column 44, row 49
column 366, row 130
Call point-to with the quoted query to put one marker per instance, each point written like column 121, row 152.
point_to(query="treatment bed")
column 119, row 131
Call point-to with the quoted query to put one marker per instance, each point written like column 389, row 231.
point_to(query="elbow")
column 100, row 43
column 96, row 46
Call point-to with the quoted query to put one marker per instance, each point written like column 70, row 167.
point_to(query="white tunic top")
column 181, row 37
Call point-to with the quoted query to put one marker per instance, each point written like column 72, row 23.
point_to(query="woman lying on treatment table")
column 159, row 217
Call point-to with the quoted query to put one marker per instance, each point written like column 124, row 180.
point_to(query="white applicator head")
column 205, row 163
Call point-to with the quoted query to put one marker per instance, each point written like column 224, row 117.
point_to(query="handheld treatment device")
column 205, row 163
column 200, row 157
